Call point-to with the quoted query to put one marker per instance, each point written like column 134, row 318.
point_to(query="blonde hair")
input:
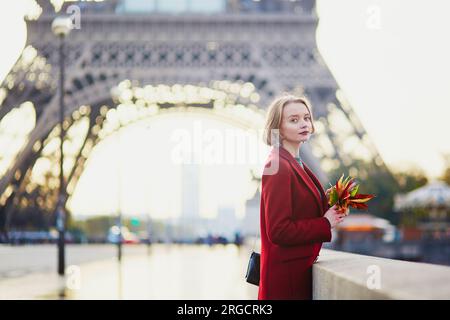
column 275, row 112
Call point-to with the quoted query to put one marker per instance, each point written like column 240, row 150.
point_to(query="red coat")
column 292, row 227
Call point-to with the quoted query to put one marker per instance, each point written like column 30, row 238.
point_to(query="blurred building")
column 425, row 212
column 226, row 223
column 190, row 192
column 359, row 231
column 250, row 225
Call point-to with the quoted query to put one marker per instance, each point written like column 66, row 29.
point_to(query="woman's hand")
column 335, row 216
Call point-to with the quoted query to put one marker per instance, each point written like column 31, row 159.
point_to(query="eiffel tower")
column 244, row 52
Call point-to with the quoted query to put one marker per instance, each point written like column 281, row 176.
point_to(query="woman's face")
column 296, row 125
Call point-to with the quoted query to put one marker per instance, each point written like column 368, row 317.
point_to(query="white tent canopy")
column 435, row 194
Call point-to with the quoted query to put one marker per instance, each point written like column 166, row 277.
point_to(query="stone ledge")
column 342, row 275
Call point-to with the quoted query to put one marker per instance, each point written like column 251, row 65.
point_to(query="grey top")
column 299, row 160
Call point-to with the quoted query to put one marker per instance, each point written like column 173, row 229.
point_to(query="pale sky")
column 390, row 58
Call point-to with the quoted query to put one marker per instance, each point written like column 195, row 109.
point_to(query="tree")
column 383, row 184
column 446, row 174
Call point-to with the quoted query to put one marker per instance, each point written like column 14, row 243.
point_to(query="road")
column 163, row 272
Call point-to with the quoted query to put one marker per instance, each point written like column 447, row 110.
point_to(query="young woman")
column 295, row 216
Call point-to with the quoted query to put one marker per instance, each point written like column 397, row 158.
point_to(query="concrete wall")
column 341, row 275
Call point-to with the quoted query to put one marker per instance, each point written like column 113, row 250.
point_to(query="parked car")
column 127, row 236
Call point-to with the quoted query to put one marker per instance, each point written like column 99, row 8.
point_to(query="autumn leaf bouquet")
column 345, row 194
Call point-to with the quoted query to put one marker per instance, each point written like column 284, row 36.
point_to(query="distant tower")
column 250, row 223
column 226, row 222
column 190, row 192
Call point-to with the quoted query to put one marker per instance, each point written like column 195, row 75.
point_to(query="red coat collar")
column 306, row 175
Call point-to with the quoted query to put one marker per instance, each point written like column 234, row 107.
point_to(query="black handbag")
column 253, row 272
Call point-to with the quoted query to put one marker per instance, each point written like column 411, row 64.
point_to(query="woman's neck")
column 293, row 149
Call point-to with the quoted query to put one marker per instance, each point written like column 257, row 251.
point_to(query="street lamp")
column 119, row 197
column 61, row 27
column 115, row 94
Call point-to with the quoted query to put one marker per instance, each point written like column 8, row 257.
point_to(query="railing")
column 341, row 275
